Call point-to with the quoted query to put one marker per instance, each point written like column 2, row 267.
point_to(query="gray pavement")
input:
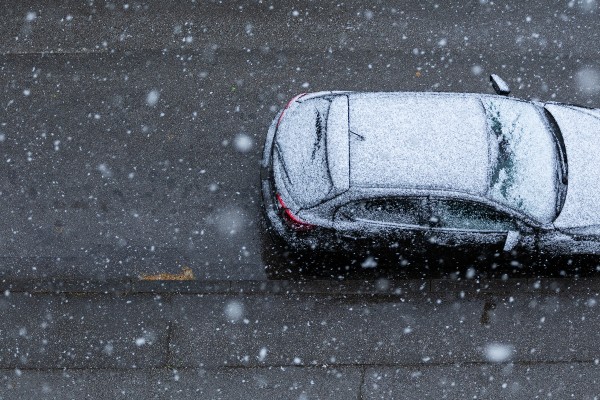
column 425, row 382
column 99, row 183
column 310, row 340
column 130, row 138
column 261, row 383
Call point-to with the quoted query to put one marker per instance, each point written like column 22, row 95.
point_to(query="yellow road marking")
column 186, row 275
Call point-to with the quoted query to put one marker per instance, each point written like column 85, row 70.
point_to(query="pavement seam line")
column 533, row 363
column 398, row 287
column 169, row 354
column 361, row 383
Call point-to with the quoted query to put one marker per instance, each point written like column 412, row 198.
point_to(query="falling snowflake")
column 588, row 80
column 498, row 352
column 152, row 98
column 234, row 311
column 243, row 143
column 262, row 354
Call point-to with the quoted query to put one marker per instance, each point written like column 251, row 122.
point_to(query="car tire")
column 283, row 261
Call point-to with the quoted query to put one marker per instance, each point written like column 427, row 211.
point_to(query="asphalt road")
column 131, row 132
column 484, row 339
column 130, row 142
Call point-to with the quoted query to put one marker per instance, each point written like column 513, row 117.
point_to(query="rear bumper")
column 277, row 228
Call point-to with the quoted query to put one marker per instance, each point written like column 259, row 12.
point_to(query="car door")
column 570, row 242
column 470, row 227
column 397, row 224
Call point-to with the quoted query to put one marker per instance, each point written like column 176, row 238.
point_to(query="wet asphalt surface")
column 130, row 142
column 132, row 132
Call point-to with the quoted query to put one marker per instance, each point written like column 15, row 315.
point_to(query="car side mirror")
column 512, row 239
column 499, row 85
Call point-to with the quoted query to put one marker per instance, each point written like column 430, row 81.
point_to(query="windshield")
column 525, row 170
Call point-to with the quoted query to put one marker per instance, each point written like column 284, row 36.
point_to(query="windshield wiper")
column 361, row 137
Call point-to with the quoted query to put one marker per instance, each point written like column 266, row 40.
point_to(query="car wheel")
column 283, row 261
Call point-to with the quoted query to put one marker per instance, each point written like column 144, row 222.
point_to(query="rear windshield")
column 301, row 145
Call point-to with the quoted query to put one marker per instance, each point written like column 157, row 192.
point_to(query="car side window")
column 464, row 215
column 397, row 210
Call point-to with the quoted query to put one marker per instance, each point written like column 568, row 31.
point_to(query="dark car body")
column 422, row 172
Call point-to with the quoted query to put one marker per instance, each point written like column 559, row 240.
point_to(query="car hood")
column 580, row 128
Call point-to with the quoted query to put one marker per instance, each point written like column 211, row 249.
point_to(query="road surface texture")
column 130, row 140
column 518, row 338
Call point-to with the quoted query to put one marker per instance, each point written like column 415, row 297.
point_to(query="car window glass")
column 409, row 211
column 455, row 214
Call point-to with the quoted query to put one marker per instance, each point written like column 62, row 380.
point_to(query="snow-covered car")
column 412, row 172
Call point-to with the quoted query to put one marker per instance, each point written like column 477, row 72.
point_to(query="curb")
column 379, row 287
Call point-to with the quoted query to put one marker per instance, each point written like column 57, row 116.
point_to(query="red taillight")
column 293, row 221
column 288, row 106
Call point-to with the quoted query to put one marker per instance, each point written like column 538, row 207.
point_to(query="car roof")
column 418, row 140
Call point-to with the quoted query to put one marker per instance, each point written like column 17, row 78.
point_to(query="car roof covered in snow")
column 418, row 140
column 495, row 147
